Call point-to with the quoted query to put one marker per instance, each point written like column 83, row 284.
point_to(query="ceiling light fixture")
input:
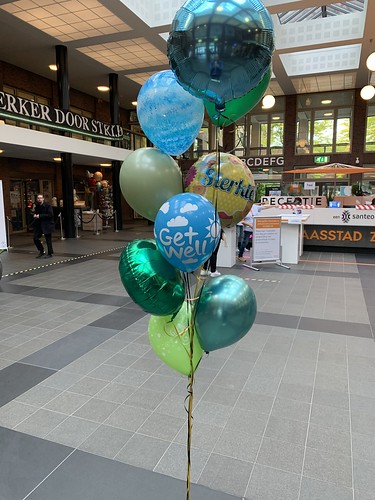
column 105, row 164
column 53, row 67
column 268, row 101
column 328, row 114
column 370, row 62
column 103, row 88
column 134, row 103
column 326, row 101
column 57, row 158
column 367, row 92
column 1, row 151
column 276, row 118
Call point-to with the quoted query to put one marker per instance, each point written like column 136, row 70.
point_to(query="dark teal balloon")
column 218, row 50
column 225, row 312
column 153, row 284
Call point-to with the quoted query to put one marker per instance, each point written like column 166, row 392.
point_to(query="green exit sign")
column 321, row 159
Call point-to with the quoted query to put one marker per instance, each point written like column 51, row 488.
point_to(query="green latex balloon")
column 236, row 108
column 153, row 284
column 148, row 178
column 225, row 312
column 170, row 340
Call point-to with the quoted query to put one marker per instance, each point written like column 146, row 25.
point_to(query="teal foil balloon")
column 169, row 115
column 153, row 284
column 218, row 50
column 170, row 339
column 225, row 312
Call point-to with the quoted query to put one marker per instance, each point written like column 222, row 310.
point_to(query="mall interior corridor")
column 87, row 410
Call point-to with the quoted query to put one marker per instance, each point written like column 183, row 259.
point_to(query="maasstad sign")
column 34, row 112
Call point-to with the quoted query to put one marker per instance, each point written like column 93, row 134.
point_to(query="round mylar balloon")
column 225, row 312
column 148, row 178
column 150, row 281
column 236, row 108
column 230, row 188
column 169, row 116
column 221, row 50
column 170, row 339
column 187, row 230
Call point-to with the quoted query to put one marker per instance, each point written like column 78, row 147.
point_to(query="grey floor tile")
column 238, row 445
column 72, row 432
column 281, row 455
column 19, row 378
column 119, row 319
column 174, row 462
column 326, row 397
column 329, row 467
column 61, row 380
column 35, row 457
column 272, row 319
column 128, row 417
column 68, row 349
column 67, row 402
column 162, row 426
column 291, row 409
column 272, row 484
column 88, row 386
column 14, row 413
column 145, row 398
column 97, row 478
column 364, row 476
column 143, row 451
column 39, row 395
column 204, row 436
column 291, row 431
column 221, row 395
column 133, row 378
column 226, row 474
column 329, row 439
column 363, row 423
column 211, row 413
column 106, row 441
column 40, row 423
column 330, row 417
column 96, row 410
column 337, row 327
column 311, row 489
column 255, row 402
column 247, row 422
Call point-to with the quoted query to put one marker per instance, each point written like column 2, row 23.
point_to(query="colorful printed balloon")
column 187, row 230
column 229, row 186
column 218, row 50
column 169, row 115
column 225, row 312
column 170, row 339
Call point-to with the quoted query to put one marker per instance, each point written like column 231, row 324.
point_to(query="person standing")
column 209, row 267
column 43, row 223
column 248, row 223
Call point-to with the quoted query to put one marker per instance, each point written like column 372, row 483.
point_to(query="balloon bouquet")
column 220, row 58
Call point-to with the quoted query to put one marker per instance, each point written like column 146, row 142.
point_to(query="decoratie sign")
column 34, row 112
column 338, row 236
column 264, row 161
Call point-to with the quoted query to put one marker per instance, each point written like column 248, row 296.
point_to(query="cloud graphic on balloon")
column 165, row 207
column 189, row 207
column 178, row 222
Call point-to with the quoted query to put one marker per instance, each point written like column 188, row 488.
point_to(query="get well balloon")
column 225, row 312
column 236, row 108
column 150, row 281
column 169, row 115
column 221, row 50
column 170, row 339
column 228, row 185
column 187, row 230
column 148, row 178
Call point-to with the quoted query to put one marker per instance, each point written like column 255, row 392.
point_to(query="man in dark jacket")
column 43, row 224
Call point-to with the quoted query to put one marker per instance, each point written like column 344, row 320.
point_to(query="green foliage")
column 261, row 191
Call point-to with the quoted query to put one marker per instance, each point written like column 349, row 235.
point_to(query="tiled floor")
column 88, row 412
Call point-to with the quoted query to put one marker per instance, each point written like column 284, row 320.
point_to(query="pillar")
column 116, row 165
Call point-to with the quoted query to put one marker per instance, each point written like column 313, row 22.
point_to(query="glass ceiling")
column 336, row 9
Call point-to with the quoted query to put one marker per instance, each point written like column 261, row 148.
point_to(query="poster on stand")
column 3, row 230
column 266, row 239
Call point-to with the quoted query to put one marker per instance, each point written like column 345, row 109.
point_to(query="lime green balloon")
column 152, row 283
column 236, row 108
column 148, row 178
column 170, row 339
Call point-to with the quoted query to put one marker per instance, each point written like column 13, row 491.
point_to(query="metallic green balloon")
column 225, row 312
column 170, row 339
column 153, row 284
column 148, row 178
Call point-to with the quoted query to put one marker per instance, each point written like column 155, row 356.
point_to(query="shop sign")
column 21, row 109
column 340, row 237
column 275, row 201
column 264, row 161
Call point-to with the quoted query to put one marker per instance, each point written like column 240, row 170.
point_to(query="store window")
column 324, row 123
column 370, row 129
column 266, row 134
column 30, row 97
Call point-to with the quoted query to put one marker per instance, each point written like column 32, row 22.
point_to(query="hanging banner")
column 3, row 230
column 266, row 239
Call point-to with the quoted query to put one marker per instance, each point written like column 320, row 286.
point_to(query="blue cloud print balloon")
column 169, row 115
column 187, row 230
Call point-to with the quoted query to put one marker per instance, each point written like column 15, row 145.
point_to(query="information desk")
column 337, row 227
column 226, row 256
column 292, row 232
